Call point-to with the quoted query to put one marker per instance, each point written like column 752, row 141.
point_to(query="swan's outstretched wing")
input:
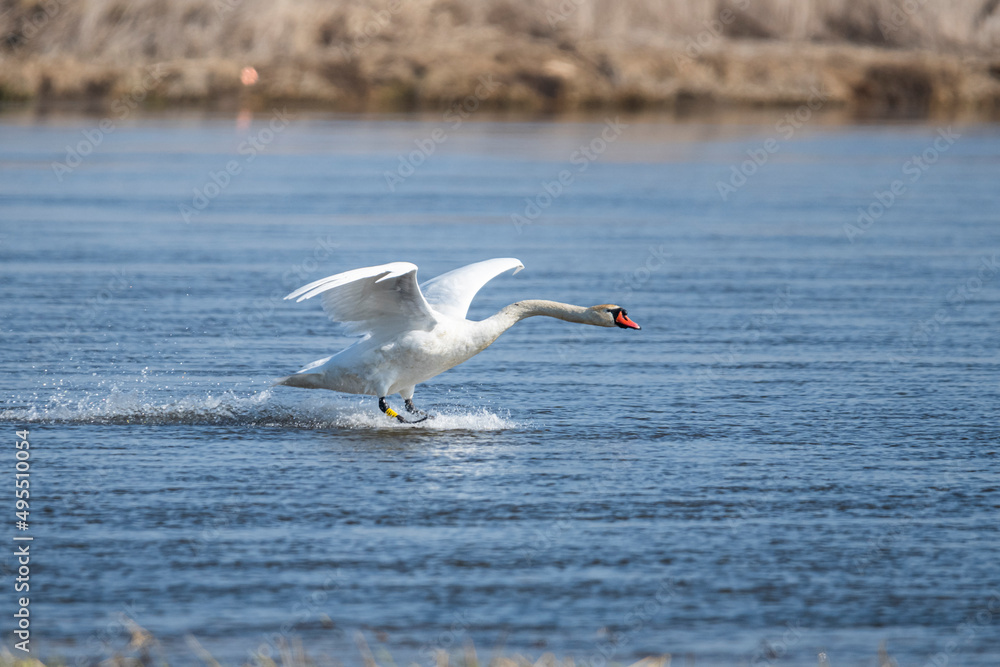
column 452, row 292
column 375, row 299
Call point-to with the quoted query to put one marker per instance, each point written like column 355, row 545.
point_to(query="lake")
column 797, row 454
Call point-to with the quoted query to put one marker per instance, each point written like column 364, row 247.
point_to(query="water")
column 792, row 457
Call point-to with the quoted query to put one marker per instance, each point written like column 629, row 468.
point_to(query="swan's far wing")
column 375, row 299
column 452, row 292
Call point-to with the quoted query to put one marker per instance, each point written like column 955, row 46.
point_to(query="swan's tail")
column 304, row 380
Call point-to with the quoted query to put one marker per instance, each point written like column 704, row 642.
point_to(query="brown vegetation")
column 144, row 650
column 910, row 58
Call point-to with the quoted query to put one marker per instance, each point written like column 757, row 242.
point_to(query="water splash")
column 257, row 409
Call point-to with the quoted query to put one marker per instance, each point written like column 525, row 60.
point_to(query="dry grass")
column 143, row 650
column 146, row 654
column 554, row 55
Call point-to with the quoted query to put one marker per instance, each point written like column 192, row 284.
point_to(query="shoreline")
column 736, row 76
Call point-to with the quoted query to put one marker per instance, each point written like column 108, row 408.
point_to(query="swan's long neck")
column 492, row 327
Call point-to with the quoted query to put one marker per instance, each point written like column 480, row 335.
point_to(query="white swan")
column 411, row 333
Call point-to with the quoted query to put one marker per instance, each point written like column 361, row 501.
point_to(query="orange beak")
column 624, row 321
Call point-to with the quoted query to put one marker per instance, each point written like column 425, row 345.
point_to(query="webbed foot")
column 414, row 410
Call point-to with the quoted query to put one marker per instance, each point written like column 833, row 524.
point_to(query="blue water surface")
column 796, row 455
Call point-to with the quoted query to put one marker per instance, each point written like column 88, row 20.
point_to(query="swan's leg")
column 414, row 410
column 384, row 407
column 406, row 393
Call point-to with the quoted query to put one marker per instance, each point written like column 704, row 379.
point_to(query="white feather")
column 451, row 293
column 407, row 338
column 376, row 300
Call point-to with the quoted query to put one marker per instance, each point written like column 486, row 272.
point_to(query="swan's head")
column 610, row 315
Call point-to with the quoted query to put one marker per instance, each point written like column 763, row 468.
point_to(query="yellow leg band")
column 391, row 412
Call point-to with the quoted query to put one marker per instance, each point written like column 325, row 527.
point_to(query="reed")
column 144, row 651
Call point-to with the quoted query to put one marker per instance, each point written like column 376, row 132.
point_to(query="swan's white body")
column 412, row 333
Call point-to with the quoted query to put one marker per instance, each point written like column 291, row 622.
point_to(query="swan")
column 411, row 333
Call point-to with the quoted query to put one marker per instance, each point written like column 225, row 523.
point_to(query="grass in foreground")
column 143, row 650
